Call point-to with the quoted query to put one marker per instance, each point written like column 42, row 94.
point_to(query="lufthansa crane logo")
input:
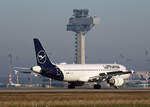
column 41, row 57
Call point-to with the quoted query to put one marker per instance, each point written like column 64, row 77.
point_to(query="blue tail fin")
column 41, row 56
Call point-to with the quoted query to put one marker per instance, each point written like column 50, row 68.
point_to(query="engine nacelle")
column 36, row 69
column 116, row 81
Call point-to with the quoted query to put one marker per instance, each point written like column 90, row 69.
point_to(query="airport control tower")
column 81, row 23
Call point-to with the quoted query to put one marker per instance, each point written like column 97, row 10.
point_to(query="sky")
column 123, row 35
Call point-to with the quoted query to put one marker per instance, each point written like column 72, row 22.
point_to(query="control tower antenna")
column 81, row 23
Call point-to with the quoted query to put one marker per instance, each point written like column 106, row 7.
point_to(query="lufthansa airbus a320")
column 78, row 74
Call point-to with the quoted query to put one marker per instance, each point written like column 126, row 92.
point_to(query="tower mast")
column 81, row 23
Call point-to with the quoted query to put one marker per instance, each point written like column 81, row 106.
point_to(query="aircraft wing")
column 107, row 75
column 22, row 69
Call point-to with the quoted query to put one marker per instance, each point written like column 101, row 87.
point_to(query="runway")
column 65, row 90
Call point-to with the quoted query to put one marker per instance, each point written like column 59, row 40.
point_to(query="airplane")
column 78, row 74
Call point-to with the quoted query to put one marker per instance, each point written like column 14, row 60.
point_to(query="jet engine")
column 116, row 81
column 36, row 69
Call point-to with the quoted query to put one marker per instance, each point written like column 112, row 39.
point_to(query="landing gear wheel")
column 97, row 86
column 116, row 87
column 70, row 86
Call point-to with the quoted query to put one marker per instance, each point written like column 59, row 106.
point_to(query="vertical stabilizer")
column 41, row 56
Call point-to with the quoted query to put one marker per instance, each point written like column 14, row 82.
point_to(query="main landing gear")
column 97, row 86
column 71, row 86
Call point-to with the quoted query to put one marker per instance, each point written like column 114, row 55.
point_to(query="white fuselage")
column 83, row 72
